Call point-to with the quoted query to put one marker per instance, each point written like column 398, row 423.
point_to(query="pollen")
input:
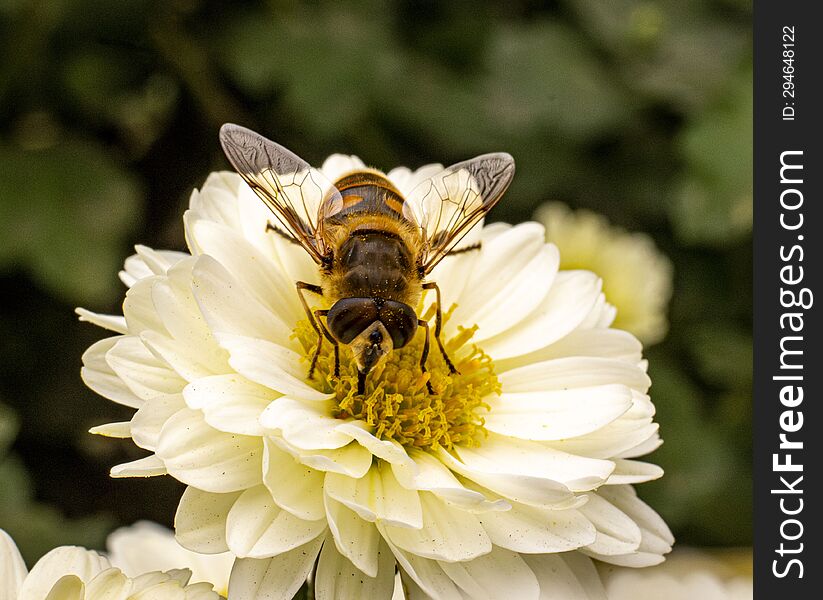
column 397, row 404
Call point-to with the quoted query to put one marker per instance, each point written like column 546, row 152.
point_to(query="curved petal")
column 305, row 425
column 339, row 579
column 448, row 533
column 230, row 403
column 148, row 421
column 377, row 496
column 200, row 521
column 355, row 538
column 12, row 568
column 294, row 486
column 574, row 372
column 568, row 302
column 148, row 466
column 256, row 527
column 269, row 364
column 227, row 308
column 144, row 374
column 114, row 323
column 566, row 576
column 276, row 578
column 506, row 455
column 498, row 574
column 62, row 561
column 534, row 530
column 616, row 532
column 557, row 414
column 211, row 460
column 100, row 377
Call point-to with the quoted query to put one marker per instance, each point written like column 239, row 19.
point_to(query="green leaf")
column 65, row 216
column 713, row 202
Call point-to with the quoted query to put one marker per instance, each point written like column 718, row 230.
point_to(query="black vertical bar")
column 788, row 363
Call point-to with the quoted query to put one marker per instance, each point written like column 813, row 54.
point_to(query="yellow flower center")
column 397, row 403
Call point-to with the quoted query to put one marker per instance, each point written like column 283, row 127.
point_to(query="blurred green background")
column 109, row 113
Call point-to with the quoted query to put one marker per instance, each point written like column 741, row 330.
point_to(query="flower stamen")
column 396, row 402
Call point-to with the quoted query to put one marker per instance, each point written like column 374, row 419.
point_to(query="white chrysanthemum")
column 687, row 574
column 75, row 573
column 146, row 546
column 501, row 484
column 637, row 277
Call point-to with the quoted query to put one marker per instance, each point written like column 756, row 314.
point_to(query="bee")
column 374, row 248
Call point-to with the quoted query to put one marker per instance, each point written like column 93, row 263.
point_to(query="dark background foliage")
column 109, row 114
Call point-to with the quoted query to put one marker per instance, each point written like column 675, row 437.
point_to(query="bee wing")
column 299, row 196
column 447, row 205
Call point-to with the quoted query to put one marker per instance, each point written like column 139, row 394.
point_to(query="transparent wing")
column 447, row 205
column 299, row 196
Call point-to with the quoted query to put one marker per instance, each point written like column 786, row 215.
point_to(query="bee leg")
column 438, row 324
column 425, row 355
column 361, row 383
column 330, row 337
column 301, row 287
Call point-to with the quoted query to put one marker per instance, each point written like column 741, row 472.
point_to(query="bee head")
column 371, row 347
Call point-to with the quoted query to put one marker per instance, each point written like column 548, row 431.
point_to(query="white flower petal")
column 656, row 539
column 68, row 587
column 433, row 476
column 568, row 302
column 12, row 568
column 339, row 165
column 141, row 371
column 388, row 450
column 499, row 574
column 111, row 584
column 507, row 267
column 228, row 308
column 256, row 527
column 62, row 561
column 139, row 310
column 448, row 533
column 616, row 532
column 211, row 460
column 428, row 574
column 145, row 547
column 230, row 403
column 567, row 576
column 294, row 486
column 574, row 372
column 534, row 530
column 271, row 365
column 120, row 430
column 113, row 323
column 352, row 459
column 148, row 421
column 506, row 455
column 633, row 471
column 305, row 425
column 276, row 578
column 99, row 376
column 149, row 466
column 377, row 496
column 557, row 414
column 255, row 272
column 537, row 491
column 338, row 579
column 405, row 180
column 355, row 538
column 184, row 358
column 200, row 521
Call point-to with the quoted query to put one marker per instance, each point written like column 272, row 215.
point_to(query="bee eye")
column 400, row 321
column 350, row 316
